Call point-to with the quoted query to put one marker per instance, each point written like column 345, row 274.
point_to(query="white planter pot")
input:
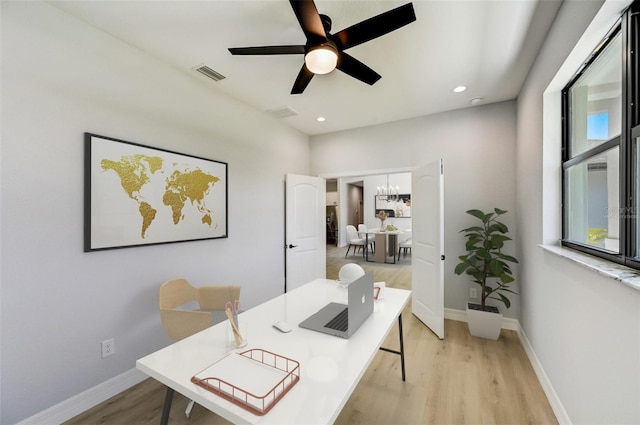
column 484, row 324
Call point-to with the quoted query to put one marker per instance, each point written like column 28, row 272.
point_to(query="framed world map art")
column 137, row 195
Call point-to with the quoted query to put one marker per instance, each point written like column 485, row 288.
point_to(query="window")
column 600, row 154
column 592, row 189
column 598, row 126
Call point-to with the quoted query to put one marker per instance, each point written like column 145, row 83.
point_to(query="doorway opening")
column 351, row 200
column 427, row 203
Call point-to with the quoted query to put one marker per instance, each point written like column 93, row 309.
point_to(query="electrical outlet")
column 108, row 347
column 473, row 293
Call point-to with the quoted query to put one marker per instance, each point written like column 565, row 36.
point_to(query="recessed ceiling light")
column 321, row 119
column 459, row 89
column 476, row 101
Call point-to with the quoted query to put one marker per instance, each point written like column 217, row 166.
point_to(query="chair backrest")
column 352, row 233
column 404, row 236
column 176, row 292
column 215, row 297
column 362, row 228
column 179, row 323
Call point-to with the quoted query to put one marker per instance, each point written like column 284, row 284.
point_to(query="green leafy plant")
column 485, row 260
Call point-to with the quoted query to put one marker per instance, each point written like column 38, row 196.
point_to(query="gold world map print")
column 141, row 195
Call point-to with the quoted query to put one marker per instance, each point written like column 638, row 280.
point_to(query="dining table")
column 386, row 245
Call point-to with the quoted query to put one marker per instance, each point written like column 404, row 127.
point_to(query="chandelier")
column 389, row 193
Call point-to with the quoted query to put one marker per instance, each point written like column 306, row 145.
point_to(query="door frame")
column 343, row 179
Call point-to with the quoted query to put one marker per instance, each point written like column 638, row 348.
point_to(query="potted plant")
column 488, row 267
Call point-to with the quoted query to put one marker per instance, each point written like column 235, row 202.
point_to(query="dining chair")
column 354, row 240
column 404, row 246
column 362, row 233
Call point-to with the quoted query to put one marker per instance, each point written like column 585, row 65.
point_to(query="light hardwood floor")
column 458, row 380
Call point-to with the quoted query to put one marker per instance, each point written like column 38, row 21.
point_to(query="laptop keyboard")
column 340, row 322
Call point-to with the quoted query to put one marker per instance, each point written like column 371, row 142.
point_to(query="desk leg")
column 167, row 406
column 401, row 352
column 401, row 346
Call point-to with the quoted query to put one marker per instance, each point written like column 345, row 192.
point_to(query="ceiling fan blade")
column 309, row 19
column 267, row 50
column 353, row 67
column 375, row 27
column 302, row 81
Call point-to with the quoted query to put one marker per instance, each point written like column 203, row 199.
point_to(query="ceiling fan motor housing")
column 326, row 23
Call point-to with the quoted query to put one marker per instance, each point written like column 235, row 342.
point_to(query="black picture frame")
column 399, row 207
column 137, row 195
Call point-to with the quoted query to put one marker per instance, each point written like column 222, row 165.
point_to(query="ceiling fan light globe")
column 321, row 60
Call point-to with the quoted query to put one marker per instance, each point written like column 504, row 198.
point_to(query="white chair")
column 404, row 246
column 354, row 240
column 362, row 233
column 348, row 273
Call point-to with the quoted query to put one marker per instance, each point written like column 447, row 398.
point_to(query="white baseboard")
column 84, row 401
column 461, row 316
column 457, row 315
column 514, row 325
column 554, row 400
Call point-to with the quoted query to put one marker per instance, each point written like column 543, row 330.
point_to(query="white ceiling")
column 486, row 45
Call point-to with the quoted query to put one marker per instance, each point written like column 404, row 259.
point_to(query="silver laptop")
column 344, row 320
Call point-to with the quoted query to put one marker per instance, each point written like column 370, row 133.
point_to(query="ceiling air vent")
column 283, row 112
column 214, row 75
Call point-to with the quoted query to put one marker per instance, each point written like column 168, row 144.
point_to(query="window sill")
column 625, row 275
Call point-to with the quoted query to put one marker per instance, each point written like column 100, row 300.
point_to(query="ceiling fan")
column 324, row 51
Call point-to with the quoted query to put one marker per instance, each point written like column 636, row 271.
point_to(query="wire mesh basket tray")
column 255, row 379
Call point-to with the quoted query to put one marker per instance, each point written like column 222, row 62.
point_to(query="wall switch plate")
column 473, row 293
column 108, row 347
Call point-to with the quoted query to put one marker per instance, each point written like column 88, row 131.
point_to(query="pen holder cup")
column 231, row 337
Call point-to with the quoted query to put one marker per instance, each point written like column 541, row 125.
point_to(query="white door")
column 427, row 246
column 305, row 229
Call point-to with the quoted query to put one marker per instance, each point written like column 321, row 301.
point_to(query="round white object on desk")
column 348, row 273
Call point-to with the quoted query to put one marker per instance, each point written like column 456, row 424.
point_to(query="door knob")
column 292, row 246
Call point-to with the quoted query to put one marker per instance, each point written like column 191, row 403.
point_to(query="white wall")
column 61, row 78
column 584, row 328
column 478, row 148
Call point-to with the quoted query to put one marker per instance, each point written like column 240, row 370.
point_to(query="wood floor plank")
column 458, row 380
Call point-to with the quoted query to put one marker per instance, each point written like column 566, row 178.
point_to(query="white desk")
column 330, row 367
